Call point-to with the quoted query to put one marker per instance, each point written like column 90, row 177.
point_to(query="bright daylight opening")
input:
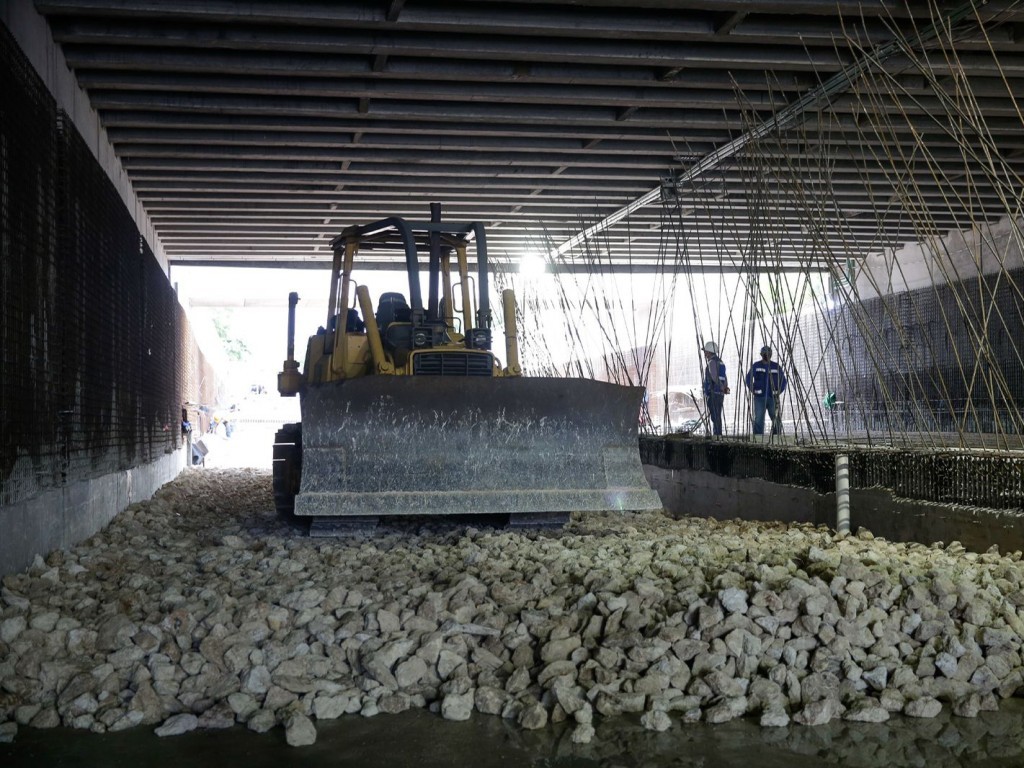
column 532, row 265
column 239, row 316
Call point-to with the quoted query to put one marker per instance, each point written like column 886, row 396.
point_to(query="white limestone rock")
column 129, row 719
column 583, row 733
column 11, row 627
column 558, row 650
column 926, row 706
column 300, row 731
column 490, row 701
column 866, row 711
column 115, row 632
column 733, row 599
column 217, row 717
column 45, row 622
column 24, row 714
column 819, row 712
column 684, row 619
column 176, row 725
column 256, row 681
column 967, row 706
column 656, row 721
column 47, row 718
column 261, row 721
column 533, row 716
column 457, row 706
column 727, row 709
column 774, row 718
column 877, row 678
column 410, row 672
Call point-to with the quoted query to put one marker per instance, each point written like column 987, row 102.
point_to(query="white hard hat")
column 711, row 347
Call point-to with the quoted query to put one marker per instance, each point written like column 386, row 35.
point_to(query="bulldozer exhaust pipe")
column 293, row 299
column 508, row 305
column 289, row 380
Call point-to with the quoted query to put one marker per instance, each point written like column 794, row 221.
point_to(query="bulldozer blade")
column 431, row 445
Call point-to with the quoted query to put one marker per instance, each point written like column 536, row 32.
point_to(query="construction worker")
column 766, row 381
column 716, row 385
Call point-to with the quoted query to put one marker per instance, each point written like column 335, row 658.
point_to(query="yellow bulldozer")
column 406, row 410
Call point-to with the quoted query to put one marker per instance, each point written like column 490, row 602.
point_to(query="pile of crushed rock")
column 198, row 609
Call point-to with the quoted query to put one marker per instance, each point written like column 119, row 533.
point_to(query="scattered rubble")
column 198, row 609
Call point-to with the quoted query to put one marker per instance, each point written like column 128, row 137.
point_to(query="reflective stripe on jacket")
column 763, row 375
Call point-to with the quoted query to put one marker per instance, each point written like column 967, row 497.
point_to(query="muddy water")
column 419, row 739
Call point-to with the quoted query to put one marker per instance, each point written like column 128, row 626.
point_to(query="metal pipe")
column 467, row 309
column 508, row 304
column 293, row 299
column 634, row 268
column 448, row 310
column 346, row 275
column 483, row 313
column 412, row 267
column 289, row 380
column 380, row 362
column 332, row 299
column 434, row 267
column 339, row 357
column 842, row 493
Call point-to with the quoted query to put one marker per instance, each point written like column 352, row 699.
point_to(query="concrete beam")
column 962, row 254
column 613, row 49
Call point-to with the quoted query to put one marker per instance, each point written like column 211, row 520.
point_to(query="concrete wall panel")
column 695, row 493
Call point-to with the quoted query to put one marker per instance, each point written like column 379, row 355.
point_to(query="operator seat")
column 392, row 308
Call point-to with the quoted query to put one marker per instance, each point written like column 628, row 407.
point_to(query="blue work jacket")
column 766, row 378
column 715, row 380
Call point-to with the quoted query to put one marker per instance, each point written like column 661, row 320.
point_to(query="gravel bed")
column 198, row 609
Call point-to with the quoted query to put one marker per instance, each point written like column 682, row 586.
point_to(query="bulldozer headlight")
column 419, row 339
column 480, row 338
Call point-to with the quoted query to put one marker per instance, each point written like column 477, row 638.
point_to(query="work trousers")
column 715, row 402
column 766, row 404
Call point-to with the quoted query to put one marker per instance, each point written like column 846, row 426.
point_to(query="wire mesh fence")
column 979, row 479
column 98, row 357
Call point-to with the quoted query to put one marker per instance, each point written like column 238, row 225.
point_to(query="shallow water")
column 419, row 739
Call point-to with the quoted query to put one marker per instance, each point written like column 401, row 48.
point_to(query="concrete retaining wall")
column 60, row 518
column 90, row 423
column 696, row 493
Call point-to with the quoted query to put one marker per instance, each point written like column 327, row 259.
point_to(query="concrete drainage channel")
column 198, row 611
column 973, row 497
